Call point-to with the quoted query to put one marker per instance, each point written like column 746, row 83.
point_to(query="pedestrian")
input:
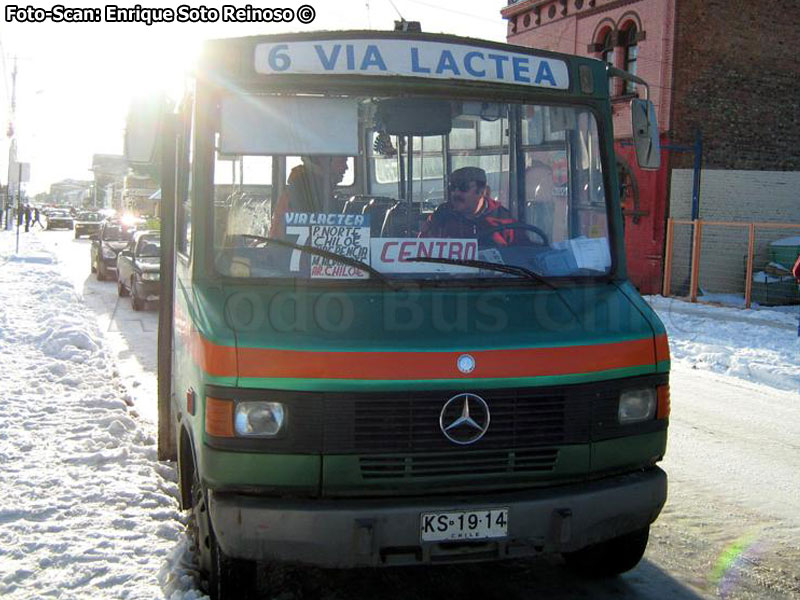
column 36, row 218
column 796, row 273
column 27, row 217
column 796, row 269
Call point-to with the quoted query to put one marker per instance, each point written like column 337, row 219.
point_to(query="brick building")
column 723, row 71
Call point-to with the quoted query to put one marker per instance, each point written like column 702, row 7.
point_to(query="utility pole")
column 12, row 149
column 18, row 167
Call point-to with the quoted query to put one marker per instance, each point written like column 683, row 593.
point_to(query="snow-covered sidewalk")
column 86, row 510
column 760, row 345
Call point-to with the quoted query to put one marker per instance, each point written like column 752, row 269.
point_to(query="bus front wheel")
column 226, row 578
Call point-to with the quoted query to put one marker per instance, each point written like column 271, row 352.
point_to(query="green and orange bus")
column 341, row 388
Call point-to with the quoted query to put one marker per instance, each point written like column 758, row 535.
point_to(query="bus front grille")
column 458, row 463
column 411, row 424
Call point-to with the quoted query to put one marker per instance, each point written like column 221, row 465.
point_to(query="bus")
column 396, row 326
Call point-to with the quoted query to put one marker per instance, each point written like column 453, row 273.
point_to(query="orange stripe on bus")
column 662, row 348
column 221, row 361
column 527, row 362
column 214, row 359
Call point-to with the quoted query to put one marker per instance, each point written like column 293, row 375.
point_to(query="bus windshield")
column 426, row 189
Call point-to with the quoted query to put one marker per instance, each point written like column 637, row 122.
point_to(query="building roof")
column 109, row 164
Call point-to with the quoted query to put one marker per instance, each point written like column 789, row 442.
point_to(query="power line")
column 397, row 11
column 450, row 10
column 5, row 71
column 560, row 38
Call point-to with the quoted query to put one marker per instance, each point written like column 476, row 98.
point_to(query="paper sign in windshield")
column 397, row 255
column 347, row 236
column 589, row 253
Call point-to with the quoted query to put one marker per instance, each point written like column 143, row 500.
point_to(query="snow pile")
column 761, row 346
column 87, row 511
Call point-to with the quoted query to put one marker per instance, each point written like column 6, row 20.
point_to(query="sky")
column 75, row 80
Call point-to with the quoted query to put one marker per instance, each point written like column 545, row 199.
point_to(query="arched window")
column 629, row 40
column 607, row 47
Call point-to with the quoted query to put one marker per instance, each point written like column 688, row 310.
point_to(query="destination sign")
column 412, row 58
column 344, row 235
column 397, row 255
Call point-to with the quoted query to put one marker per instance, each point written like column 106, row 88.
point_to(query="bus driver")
column 470, row 211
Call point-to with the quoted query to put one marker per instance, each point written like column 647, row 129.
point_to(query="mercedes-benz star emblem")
column 464, row 419
column 466, row 363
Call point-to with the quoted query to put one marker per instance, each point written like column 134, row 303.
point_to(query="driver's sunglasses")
column 461, row 186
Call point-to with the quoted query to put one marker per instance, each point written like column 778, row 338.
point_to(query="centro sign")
column 412, row 58
column 396, row 255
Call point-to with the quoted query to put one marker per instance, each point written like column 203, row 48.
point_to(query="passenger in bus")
column 305, row 190
column 470, row 211
column 543, row 205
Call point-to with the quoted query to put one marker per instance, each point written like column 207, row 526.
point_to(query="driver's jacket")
column 447, row 223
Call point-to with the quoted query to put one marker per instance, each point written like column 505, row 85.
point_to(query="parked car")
column 87, row 223
column 138, row 268
column 59, row 219
column 106, row 244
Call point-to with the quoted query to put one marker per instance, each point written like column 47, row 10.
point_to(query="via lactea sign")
column 413, row 59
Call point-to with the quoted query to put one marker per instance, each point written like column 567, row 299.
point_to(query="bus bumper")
column 386, row 531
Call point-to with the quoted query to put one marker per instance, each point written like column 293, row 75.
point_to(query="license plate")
column 464, row 525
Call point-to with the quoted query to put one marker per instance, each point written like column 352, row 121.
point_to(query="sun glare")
column 161, row 66
column 73, row 92
column 129, row 220
column 76, row 82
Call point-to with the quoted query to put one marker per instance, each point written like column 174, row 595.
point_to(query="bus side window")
column 184, row 188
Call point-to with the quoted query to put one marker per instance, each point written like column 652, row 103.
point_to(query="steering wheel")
column 519, row 225
column 258, row 239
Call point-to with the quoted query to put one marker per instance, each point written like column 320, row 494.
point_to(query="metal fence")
column 727, row 261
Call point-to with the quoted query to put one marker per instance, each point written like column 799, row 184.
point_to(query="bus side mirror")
column 645, row 134
column 143, row 128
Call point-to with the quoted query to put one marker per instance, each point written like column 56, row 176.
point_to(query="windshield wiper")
column 345, row 260
column 490, row 266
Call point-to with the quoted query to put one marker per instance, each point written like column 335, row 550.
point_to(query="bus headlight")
column 259, row 419
column 637, row 405
column 147, row 276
